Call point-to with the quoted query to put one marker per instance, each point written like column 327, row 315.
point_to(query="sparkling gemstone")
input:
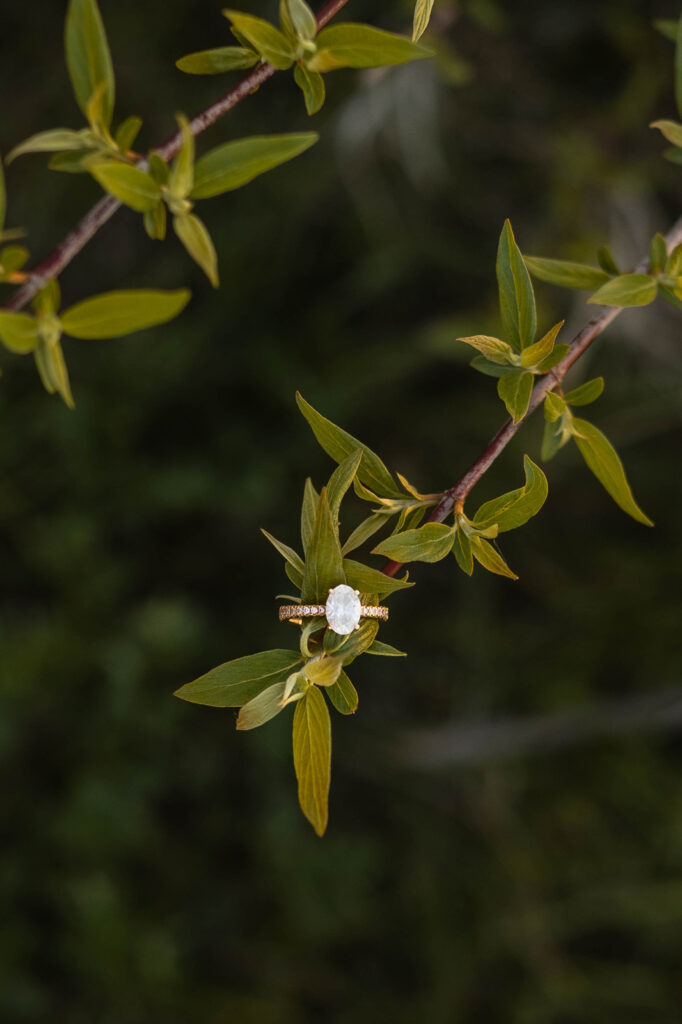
column 343, row 610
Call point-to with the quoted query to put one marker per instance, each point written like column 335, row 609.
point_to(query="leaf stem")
column 107, row 206
column 550, row 382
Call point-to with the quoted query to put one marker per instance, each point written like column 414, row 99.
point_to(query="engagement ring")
column 343, row 610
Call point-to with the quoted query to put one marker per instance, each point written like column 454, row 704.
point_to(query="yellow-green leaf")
column 338, row 444
column 385, row 650
column 428, row 543
column 671, row 130
column 194, row 235
column 88, row 57
column 270, row 43
column 566, row 273
column 134, row 187
column 487, row 556
column 308, row 513
column 602, row 458
column 586, row 393
column 215, row 62
column 340, row 481
column 287, row 553
column 51, row 365
column 515, row 508
column 323, row 670
column 312, row 746
column 361, row 46
column 422, row 16
column 372, row 581
column 297, row 20
column 626, row 290
column 236, row 682
column 324, row 563
column 515, row 391
column 262, row 708
column 312, row 86
column 127, row 132
column 492, row 348
column 535, row 354
column 55, row 140
column 461, row 549
column 18, row 331
column 235, row 164
column 343, row 695
column 113, row 314
column 517, row 302
column 181, row 177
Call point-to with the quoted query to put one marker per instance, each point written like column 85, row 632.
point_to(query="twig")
column 103, row 210
column 579, row 345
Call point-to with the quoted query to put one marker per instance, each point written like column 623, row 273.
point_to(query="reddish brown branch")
column 103, row 210
column 579, row 345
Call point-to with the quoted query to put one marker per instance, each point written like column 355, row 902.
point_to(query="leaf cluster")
column 296, row 42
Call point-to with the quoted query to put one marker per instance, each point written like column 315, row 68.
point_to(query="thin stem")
column 579, row 345
column 103, row 210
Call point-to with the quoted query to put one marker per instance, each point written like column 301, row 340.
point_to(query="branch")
column 580, row 344
column 103, row 210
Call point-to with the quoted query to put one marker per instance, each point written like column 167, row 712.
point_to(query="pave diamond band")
column 343, row 610
column 294, row 612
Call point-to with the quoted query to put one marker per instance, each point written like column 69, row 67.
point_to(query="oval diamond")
column 343, row 609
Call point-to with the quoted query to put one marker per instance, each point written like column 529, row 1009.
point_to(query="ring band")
column 295, row 612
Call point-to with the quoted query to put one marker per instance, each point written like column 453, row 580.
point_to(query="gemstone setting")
column 343, row 609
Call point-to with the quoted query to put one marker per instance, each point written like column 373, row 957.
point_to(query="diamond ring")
column 343, row 610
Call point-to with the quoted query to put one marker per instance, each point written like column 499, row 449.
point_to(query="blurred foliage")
column 154, row 865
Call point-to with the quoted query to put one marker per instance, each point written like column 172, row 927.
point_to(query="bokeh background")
column 506, row 813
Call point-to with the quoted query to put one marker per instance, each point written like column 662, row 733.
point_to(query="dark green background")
column 154, row 864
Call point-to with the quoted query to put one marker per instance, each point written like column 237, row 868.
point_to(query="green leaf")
column 56, row 140
column 673, row 265
column 236, row 682
column 429, row 543
column 312, row 744
column 371, row 581
column 515, row 391
column 555, row 437
column 515, row 508
column 602, row 458
column 298, row 21
column 308, row 513
column 348, row 648
column 270, row 43
column 194, row 235
column 517, row 302
column 235, row 164
column 555, row 406
column 626, row 290
column 155, row 221
column 566, row 273
column 340, row 481
column 671, row 130
column 422, row 16
column 463, row 553
column 293, row 574
column 159, row 169
column 312, row 86
column 492, row 348
column 367, row 528
column 130, row 185
column 323, row 670
column 48, row 299
column 324, row 564
column 361, row 46
column 338, row 444
column 127, row 132
column 535, row 354
column 586, row 393
column 385, row 650
column 113, row 314
column 606, row 261
column 88, row 57
column 491, row 369
column 285, row 551
column 51, row 365
column 545, row 365
column 12, row 259
column 215, row 62
column 658, row 254
column 18, row 331
column 181, row 177
column 262, row 708
column 343, row 695
column 490, row 558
